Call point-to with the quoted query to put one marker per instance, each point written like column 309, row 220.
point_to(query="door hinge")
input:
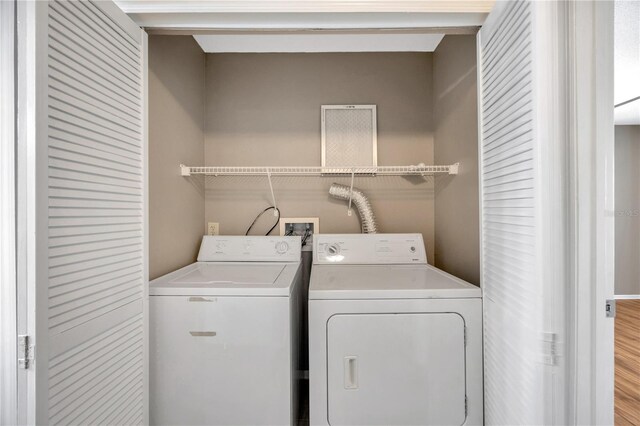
column 465, row 336
column 25, row 351
column 466, row 406
column 610, row 308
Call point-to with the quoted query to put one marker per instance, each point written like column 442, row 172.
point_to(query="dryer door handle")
column 351, row 372
column 201, row 299
column 203, row 333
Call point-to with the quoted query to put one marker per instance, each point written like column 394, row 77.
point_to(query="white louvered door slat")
column 521, row 183
column 510, row 218
column 96, row 216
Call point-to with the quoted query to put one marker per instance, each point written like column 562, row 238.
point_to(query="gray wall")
column 264, row 109
column 627, row 184
column 176, row 119
column 456, row 140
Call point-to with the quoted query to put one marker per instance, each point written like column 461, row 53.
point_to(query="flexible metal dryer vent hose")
column 362, row 205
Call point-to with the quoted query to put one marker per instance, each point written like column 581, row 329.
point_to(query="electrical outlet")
column 213, row 228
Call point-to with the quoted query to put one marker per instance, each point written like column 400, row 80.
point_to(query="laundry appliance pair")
column 392, row 340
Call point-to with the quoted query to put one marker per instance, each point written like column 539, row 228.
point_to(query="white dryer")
column 224, row 335
column 392, row 340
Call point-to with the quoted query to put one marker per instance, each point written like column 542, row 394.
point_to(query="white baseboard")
column 626, row 296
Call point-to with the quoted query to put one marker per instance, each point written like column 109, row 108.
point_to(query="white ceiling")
column 311, row 25
column 305, row 21
column 305, row 14
column 314, row 42
column 627, row 61
column 297, row 6
column 628, row 114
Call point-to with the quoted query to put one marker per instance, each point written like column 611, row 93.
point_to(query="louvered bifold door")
column 518, row 186
column 96, row 216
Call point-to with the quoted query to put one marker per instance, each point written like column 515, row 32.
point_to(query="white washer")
column 224, row 339
column 392, row 340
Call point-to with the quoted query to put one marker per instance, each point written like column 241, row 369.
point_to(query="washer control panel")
column 218, row 248
column 363, row 249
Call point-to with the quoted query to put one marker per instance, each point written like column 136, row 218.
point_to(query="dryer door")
column 400, row 369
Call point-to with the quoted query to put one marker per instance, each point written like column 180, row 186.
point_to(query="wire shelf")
column 419, row 170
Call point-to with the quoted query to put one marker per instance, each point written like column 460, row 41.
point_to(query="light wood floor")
column 627, row 394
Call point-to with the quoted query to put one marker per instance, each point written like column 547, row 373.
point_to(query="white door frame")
column 591, row 203
column 31, row 211
column 579, row 187
column 8, row 282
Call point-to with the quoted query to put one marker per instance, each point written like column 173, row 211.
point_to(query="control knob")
column 333, row 249
column 282, row 247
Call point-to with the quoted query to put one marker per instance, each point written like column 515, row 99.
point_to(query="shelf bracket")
column 351, row 192
column 453, row 169
column 185, row 170
column 273, row 196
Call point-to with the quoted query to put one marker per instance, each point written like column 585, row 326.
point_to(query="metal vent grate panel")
column 349, row 136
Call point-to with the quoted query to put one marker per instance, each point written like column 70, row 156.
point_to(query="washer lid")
column 228, row 279
column 386, row 282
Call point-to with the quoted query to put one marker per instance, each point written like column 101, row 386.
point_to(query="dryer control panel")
column 218, row 248
column 364, row 249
